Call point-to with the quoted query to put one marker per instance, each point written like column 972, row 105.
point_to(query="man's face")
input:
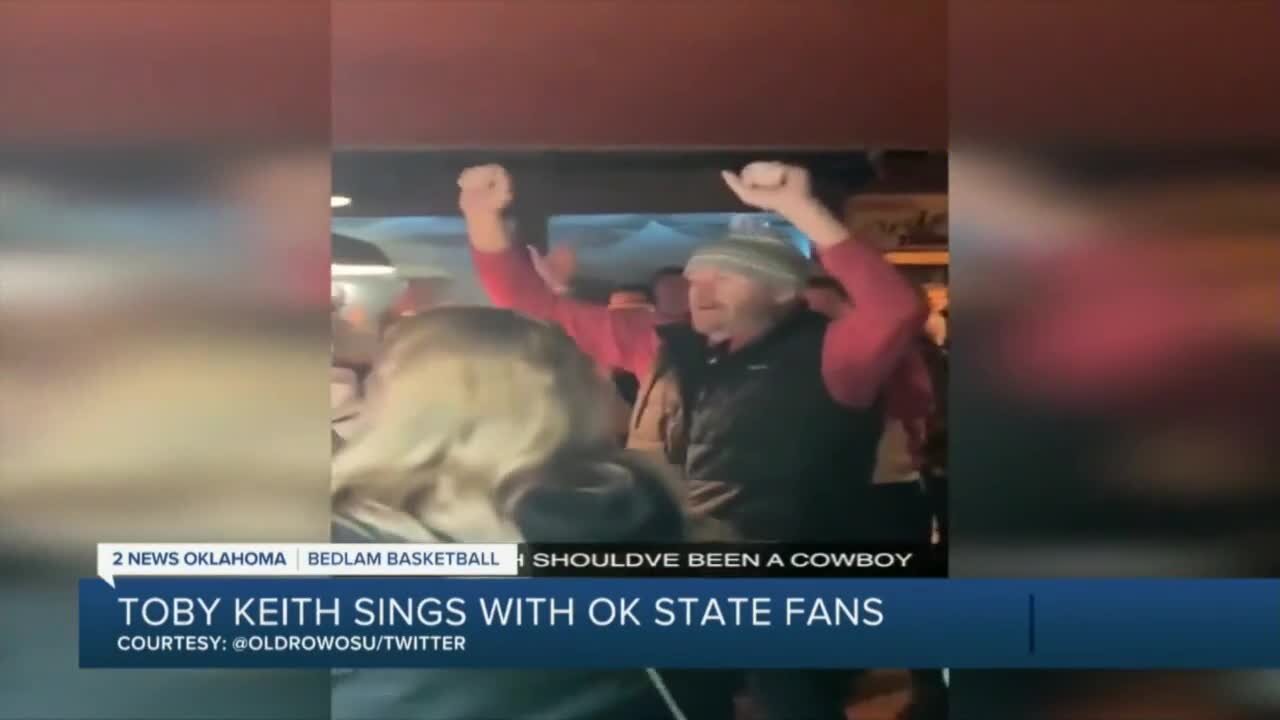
column 724, row 305
column 671, row 296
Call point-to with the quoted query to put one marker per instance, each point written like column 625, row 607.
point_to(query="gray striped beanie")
column 761, row 253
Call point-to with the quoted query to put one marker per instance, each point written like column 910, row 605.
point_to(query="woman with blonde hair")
column 481, row 425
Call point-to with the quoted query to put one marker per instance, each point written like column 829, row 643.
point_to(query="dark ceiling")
column 425, row 183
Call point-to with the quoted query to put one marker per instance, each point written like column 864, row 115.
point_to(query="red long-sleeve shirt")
column 910, row 400
column 860, row 350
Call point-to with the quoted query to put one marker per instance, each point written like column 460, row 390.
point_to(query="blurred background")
column 164, row 261
column 1115, row 243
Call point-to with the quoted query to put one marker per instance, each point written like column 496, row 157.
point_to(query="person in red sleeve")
column 909, row 407
column 782, row 409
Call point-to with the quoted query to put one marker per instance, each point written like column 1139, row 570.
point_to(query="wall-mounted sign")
column 899, row 221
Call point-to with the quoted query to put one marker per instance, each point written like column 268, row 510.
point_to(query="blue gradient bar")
column 924, row 623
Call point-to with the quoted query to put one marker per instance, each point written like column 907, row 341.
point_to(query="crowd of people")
column 751, row 395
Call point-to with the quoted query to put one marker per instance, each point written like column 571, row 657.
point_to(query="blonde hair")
column 462, row 401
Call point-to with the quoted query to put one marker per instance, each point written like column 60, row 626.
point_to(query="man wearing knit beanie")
column 777, row 416
column 742, row 283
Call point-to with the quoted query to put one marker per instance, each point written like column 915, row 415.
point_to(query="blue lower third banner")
column 689, row 623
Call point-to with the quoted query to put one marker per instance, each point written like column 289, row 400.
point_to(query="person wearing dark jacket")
column 780, row 408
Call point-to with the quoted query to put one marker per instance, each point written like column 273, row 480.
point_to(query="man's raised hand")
column 786, row 190
column 771, row 186
column 484, row 189
column 484, row 192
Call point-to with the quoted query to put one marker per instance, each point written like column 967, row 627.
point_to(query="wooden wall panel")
column 636, row 73
column 1120, row 73
column 163, row 71
column 640, row 73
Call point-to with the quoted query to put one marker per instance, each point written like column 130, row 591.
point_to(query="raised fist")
column 486, row 188
column 770, row 186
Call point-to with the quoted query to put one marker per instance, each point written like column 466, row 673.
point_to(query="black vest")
column 769, row 450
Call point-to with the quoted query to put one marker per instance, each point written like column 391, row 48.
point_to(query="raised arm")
column 617, row 339
column 864, row 346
